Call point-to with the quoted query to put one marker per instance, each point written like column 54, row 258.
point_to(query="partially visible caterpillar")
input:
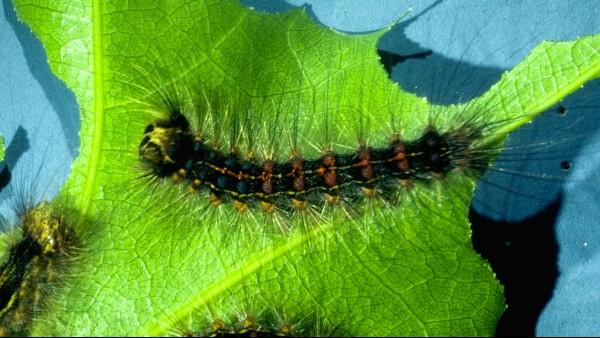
column 248, row 327
column 34, row 266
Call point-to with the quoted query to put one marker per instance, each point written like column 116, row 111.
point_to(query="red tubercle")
column 297, row 174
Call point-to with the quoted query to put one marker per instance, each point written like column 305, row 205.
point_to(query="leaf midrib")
column 98, row 113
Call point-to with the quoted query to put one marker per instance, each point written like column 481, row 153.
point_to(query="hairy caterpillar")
column 251, row 151
column 248, row 327
column 40, row 243
column 264, row 323
column 172, row 149
column 34, row 266
column 43, row 244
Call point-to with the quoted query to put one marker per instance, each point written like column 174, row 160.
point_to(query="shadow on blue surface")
column 17, row 147
column 524, row 257
column 60, row 97
column 440, row 79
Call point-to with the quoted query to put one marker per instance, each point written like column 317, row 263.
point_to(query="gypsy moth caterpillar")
column 45, row 246
column 248, row 327
column 269, row 322
column 43, row 243
column 41, row 253
column 172, row 149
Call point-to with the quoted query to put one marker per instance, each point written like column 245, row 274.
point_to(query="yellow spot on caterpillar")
column 285, row 331
column 267, row 207
column 217, row 328
column 195, row 186
column 214, row 200
column 178, row 176
column 369, row 192
column 240, row 206
column 196, row 183
column 248, row 326
column 408, row 184
column 332, row 199
column 299, row 204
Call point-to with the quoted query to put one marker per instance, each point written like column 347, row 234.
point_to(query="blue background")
column 534, row 221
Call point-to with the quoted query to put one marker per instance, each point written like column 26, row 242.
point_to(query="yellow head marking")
column 155, row 143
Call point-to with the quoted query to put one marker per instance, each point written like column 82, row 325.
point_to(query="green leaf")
column 1, row 148
column 154, row 257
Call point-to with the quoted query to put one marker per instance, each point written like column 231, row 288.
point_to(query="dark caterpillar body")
column 13, row 271
column 30, row 268
column 247, row 328
column 172, row 149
